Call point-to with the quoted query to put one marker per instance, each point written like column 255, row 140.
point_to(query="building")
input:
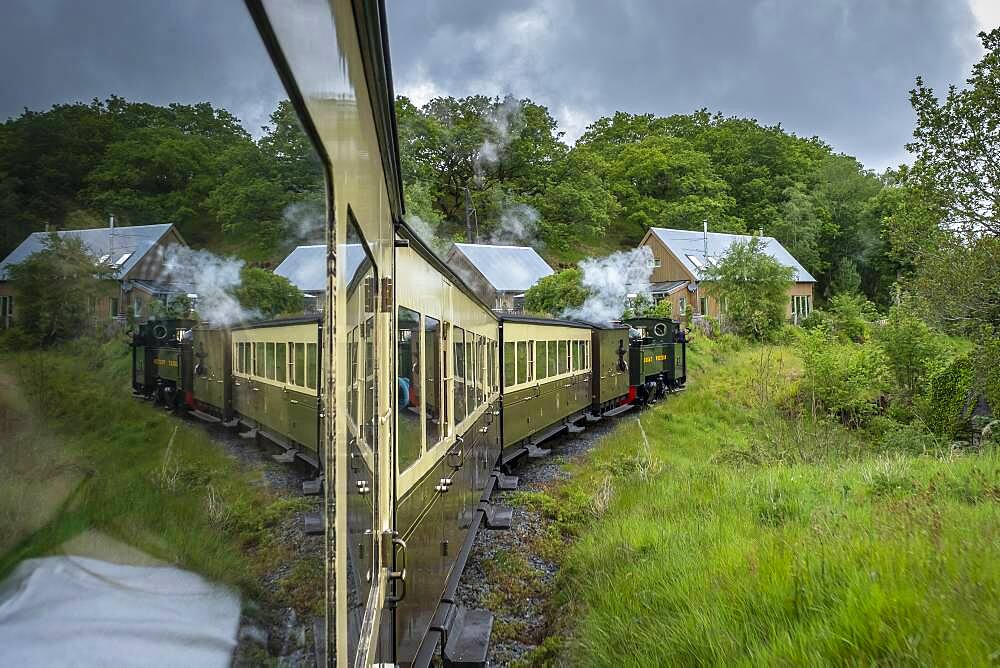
column 305, row 268
column 499, row 275
column 679, row 257
column 134, row 254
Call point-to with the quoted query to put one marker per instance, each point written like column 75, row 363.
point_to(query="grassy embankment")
column 80, row 456
column 725, row 529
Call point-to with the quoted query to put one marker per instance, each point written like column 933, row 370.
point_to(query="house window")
column 682, row 305
column 114, row 306
column 657, row 262
column 703, row 304
column 801, row 307
column 6, row 310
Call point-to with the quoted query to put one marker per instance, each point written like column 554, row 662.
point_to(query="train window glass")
column 300, row 364
column 470, row 371
column 409, row 436
column 552, row 357
column 269, row 360
column 291, row 362
column 258, row 359
column 312, row 365
column 432, row 374
column 563, row 357
column 508, row 364
column 541, row 360
column 577, row 355
column 445, row 404
column 531, row 361
column 522, row 362
column 494, row 366
column 352, row 372
column 238, row 355
column 586, row 354
column 279, row 362
column 483, row 387
column 460, row 392
column 247, row 358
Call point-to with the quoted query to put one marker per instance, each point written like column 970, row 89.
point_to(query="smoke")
column 212, row 278
column 426, row 233
column 306, row 221
column 610, row 281
column 518, row 226
column 503, row 120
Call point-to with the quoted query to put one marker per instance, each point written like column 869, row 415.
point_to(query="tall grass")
column 136, row 473
column 762, row 537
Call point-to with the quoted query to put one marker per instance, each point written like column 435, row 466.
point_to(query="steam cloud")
column 306, row 221
column 504, row 120
column 610, row 280
column 212, row 278
column 518, row 226
column 426, row 233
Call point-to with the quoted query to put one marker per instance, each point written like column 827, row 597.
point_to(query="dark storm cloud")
column 840, row 69
column 176, row 50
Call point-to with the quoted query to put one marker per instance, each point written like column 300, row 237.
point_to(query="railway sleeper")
column 497, row 517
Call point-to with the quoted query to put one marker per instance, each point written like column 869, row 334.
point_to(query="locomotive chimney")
column 111, row 221
column 706, row 239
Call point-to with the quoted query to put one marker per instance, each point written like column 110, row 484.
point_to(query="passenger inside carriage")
column 410, row 437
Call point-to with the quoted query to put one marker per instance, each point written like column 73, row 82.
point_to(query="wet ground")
column 520, row 627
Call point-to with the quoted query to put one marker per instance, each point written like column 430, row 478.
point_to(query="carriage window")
column 494, row 369
column 432, row 374
column 300, row 364
column 563, row 357
column 258, row 360
column 508, row 364
column 291, row 362
column 247, row 358
column 576, row 355
column 470, row 371
column 408, row 385
column 445, row 404
column 531, row 361
column 269, row 361
column 312, row 365
column 279, row 362
column 483, row 386
column 541, row 360
column 586, row 354
column 460, row 392
column 522, row 362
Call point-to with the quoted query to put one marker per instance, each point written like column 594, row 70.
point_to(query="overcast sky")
column 839, row 69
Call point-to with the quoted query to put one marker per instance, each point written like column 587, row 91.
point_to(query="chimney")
column 760, row 231
column 706, row 239
column 111, row 221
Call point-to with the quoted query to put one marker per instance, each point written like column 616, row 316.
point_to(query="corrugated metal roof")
column 305, row 266
column 666, row 286
column 112, row 243
column 507, row 268
column 689, row 247
column 164, row 288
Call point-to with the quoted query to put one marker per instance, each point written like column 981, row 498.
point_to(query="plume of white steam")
column 306, row 221
column 426, row 233
column 504, row 120
column 518, row 226
column 212, row 279
column 610, row 281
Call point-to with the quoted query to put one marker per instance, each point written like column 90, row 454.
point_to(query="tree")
column 911, row 348
column 56, row 288
column 956, row 144
column 556, row 293
column 753, row 286
column 268, row 293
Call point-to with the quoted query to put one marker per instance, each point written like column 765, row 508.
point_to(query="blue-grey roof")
column 507, row 268
column 112, row 243
column 305, row 266
column 164, row 288
column 689, row 247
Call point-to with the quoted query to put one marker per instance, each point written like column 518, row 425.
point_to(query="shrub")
column 910, row 346
column 851, row 317
column 947, row 403
column 842, row 379
column 989, row 365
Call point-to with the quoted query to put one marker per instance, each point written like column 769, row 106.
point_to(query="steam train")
column 414, row 399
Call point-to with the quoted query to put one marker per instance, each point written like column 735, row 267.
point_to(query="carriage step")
column 286, row 457
column 469, row 639
column 313, row 487
column 498, row 517
column 249, row 434
column 506, row 483
column 205, row 417
column 591, row 418
column 535, row 452
column 231, row 424
column 618, row 411
column 573, row 429
column 319, row 640
column 313, row 523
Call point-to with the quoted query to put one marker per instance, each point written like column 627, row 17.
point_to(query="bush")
column 851, row 317
column 988, row 364
column 842, row 379
column 910, row 346
column 947, row 403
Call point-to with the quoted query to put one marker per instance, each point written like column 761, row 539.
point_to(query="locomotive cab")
column 161, row 360
column 656, row 357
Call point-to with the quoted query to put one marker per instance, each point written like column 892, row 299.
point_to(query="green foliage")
column 911, row 348
column 988, row 354
column 843, row 380
column 662, row 309
column 268, row 293
column 949, row 397
column 754, row 288
column 850, row 317
column 556, row 293
column 56, row 290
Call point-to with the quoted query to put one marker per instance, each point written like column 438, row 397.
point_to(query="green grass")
column 746, row 534
column 129, row 471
